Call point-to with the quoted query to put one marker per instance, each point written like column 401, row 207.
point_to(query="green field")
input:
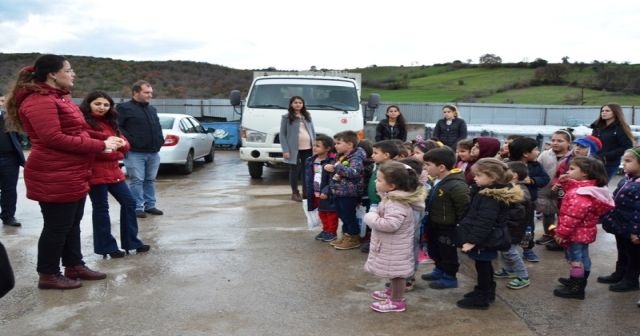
column 485, row 85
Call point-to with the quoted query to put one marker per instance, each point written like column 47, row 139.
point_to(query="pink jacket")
column 580, row 210
column 392, row 234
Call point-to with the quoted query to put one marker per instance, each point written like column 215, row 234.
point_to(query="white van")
column 332, row 101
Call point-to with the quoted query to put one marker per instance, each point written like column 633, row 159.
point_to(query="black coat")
column 614, row 143
column 450, row 134
column 489, row 208
column 384, row 131
column 139, row 123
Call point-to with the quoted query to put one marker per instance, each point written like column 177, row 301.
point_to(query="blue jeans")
column 142, row 169
column 512, row 261
column 103, row 241
column 577, row 252
column 9, row 170
column 346, row 209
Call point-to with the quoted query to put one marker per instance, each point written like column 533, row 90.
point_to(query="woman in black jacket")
column 393, row 127
column 451, row 128
column 615, row 135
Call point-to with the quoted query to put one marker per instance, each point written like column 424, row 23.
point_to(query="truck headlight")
column 253, row 135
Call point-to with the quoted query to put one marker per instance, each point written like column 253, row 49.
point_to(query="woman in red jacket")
column 58, row 169
column 107, row 178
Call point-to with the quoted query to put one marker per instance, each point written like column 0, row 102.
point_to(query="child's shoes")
column 388, row 306
column 381, row 295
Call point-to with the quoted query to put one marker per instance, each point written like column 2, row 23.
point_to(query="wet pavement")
column 232, row 256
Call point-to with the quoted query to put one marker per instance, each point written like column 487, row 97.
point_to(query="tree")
column 539, row 62
column 552, row 74
column 490, row 60
column 313, row 68
column 565, row 60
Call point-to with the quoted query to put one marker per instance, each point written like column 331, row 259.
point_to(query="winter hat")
column 593, row 143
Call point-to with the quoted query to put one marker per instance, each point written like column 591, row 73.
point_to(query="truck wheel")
column 255, row 169
column 187, row 167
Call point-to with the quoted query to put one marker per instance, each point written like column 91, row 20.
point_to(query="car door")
column 201, row 144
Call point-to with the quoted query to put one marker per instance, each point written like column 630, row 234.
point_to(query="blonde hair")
column 494, row 168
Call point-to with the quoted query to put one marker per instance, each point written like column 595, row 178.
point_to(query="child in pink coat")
column 392, row 225
column 586, row 199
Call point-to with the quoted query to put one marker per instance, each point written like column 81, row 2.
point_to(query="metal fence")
column 472, row 113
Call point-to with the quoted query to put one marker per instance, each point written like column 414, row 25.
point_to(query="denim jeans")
column 577, row 252
column 513, row 262
column 103, row 241
column 60, row 237
column 9, row 170
column 142, row 169
column 346, row 209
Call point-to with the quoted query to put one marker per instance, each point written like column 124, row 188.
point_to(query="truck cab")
column 332, row 101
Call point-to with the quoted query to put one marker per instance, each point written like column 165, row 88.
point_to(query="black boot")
column 625, row 285
column 614, row 277
column 478, row 301
column 565, row 281
column 573, row 290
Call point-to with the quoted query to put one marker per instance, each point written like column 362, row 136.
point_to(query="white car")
column 185, row 141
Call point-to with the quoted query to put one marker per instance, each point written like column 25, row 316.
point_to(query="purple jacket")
column 347, row 181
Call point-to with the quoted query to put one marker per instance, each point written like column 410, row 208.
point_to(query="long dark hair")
column 400, row 120
column 303, row 111
column 618, row 114
column 111, row 116
column 27, row 78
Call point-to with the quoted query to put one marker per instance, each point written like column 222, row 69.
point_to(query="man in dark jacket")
column 138, row 121
column 11, row 158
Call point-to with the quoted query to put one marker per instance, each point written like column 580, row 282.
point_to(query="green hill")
column 523, row 83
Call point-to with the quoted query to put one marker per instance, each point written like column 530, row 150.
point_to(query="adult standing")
column 297, row 136
column 393, row 126
column 107, row 178
column 615, row 135
column 11, row 158
column 451, row 128
column 138, row 121
column 59, row 166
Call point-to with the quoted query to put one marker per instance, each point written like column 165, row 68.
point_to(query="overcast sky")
column 332, row 34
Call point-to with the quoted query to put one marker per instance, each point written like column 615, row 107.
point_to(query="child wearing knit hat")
column 587, row 146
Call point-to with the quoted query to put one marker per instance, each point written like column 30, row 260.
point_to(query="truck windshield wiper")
column 269, row 106
column 325, row 105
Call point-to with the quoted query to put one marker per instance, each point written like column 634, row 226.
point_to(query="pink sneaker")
column 382, row 295
column 387, row 306
column 424, row 258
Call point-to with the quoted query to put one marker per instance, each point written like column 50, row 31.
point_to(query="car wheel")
column 187, row 167
column 209, row 157
column 255, row 169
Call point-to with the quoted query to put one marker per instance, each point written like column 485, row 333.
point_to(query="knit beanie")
column 593, row 143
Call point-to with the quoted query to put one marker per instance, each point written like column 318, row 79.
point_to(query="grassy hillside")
column 524, row 83
column 444, row 83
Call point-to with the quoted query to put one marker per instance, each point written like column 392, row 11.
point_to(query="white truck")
column 332, row 99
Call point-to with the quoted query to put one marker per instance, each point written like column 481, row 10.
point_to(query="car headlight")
column 254, row 136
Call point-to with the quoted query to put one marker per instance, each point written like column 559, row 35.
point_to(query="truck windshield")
column 316, row 97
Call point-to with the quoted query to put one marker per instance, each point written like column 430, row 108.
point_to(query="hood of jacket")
column 589, row 188
column 489, row 146
column 415, row 199
column 508, row 194
column 40, row 88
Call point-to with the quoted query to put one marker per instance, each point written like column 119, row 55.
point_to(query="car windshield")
column 317, row 97
column 166, row 122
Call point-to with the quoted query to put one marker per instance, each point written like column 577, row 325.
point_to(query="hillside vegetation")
column 525, row 83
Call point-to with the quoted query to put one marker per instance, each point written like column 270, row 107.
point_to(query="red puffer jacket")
column 62, row 152
column 580, row 210
column 106, row 168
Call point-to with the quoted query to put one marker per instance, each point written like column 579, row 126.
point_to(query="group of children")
column 479, row 199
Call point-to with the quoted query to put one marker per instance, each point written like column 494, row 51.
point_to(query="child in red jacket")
column 586, row 199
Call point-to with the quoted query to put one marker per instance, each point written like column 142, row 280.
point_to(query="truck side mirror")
column 373, row 101
column 234, row 98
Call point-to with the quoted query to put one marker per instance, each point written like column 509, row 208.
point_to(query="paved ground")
column 232, row 256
